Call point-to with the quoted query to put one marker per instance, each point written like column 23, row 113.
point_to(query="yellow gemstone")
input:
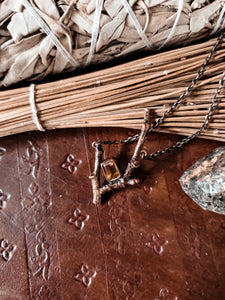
column 110, row 169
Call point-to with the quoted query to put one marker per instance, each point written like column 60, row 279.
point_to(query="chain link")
column 172, row 108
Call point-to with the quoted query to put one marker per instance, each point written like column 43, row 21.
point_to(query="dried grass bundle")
column 118, row 96
column 80, row 32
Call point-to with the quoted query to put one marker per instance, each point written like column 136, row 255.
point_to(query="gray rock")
column 204, row 182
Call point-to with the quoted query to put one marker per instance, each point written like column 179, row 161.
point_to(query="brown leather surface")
column 145, row 242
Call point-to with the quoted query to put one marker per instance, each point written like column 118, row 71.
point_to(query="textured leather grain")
column 146, row 242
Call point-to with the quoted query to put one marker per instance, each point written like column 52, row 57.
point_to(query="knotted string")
column 34, row 108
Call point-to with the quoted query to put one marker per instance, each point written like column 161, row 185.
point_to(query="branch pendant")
column 116, row 180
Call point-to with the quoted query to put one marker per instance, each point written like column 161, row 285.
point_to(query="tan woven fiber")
column 117, row 96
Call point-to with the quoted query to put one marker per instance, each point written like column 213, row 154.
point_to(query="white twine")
column 50, row 33
column 34, row 108
column 96, row 25
column 223, row 23
column 178, row 14
column 95, row 29
column 219, row 20
column 137, row 24
column 144, row 6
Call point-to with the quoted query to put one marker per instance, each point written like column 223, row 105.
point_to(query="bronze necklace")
column 116, row 180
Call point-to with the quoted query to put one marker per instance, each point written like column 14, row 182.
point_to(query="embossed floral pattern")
column 43, row 293
column 85, row 276
column 71, row 163
column 78, row 219
column 147, row 189
column 165, row 295
column 2, row 152
column 32, row 158
column 41, row 258
column 116, row 225
column 157, row 243
column 36, row 209
column 3, row 199
column 38, row 201
column 6, row 250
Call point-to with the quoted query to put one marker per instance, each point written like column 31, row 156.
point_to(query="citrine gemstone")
column 110, row 169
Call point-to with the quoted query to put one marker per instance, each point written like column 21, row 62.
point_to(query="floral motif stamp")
column 37, row 201
column 6, row 250
column 157, row 243
column 3, row 199
column 41, row 259
column 70, row 164
column 85, row 276
column 165, row 295
column 32, row 158
column 44, row 293
column 78, row 219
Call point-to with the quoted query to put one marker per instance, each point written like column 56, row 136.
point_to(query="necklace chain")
column 172, row 108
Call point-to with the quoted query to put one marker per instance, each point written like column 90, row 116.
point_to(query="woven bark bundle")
column 27, row 53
